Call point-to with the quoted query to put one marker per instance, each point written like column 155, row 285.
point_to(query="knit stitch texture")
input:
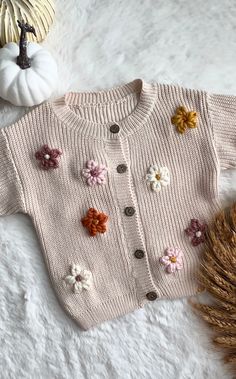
column 78, row 125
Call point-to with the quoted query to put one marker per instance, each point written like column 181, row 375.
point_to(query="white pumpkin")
column 30, row 86
column 39, row 13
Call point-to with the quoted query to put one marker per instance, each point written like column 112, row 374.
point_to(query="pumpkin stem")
column 23, row 60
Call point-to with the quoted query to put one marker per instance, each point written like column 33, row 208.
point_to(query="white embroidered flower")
column 158, row 177
column 79, row 278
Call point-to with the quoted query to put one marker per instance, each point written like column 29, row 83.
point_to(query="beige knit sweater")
column 113, row 194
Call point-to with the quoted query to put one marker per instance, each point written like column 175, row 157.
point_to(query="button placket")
column 118, row 150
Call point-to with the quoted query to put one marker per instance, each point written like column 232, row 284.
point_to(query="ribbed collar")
column 107, row 100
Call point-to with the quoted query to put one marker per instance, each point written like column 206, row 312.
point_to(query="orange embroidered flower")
column 95, row 222
column 184, row 119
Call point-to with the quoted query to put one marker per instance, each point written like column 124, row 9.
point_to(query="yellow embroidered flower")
column 184, row 119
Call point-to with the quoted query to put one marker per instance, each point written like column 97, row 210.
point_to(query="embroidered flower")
column 184, row 119
column 95, row 222
column 80, row 278
column 172, row 260
column 197, row 231
column 48, row 157
column 94, row 172
column 158, row 177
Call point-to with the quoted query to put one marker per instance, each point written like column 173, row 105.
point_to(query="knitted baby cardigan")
column 120, row 185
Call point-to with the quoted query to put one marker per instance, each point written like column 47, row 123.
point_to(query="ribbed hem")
column 131, row 122
column 179, row 288
column 125, row 304
column 111, row 309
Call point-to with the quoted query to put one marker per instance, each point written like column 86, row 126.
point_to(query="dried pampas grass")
column 217, row 275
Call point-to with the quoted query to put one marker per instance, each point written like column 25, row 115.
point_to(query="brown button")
column 151, row 296
column 139, row 254
column 121, row 168
column 129, row 211
column 114, row 128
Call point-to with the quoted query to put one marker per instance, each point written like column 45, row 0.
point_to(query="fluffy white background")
column 99, row 44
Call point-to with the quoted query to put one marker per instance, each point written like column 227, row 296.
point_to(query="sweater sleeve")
column 222, row 109
column 11, row 193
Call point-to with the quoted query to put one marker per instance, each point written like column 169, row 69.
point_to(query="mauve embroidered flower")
column 172, row 260
column 79, row 278
column 94, row 172
column 197, row 231
column 48, row 157
column 95, row 222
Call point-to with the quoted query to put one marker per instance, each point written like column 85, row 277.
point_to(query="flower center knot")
column 198, row 234
column 173, row 259
column 94, row 172
column 158, row 176
column 78, row 278
column 95, row 221
column 47, row 157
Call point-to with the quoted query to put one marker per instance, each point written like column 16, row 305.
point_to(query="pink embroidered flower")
column 197, row 231
column 48, row 157
column 172, row 260
column 94, row 173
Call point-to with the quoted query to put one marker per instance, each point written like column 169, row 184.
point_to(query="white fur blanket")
column 99, row 44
